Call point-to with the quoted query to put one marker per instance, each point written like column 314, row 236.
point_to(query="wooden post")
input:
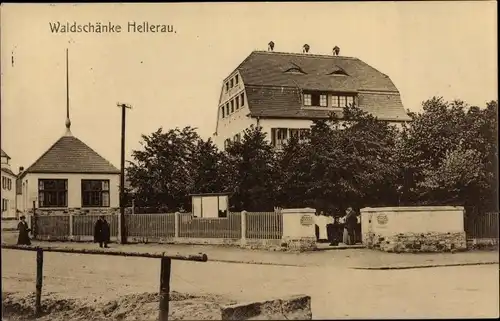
column 166, row 265
column 35, row 221
column 71, row 227
column 39, row 279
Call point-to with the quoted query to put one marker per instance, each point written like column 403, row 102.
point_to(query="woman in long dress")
column 23, row 238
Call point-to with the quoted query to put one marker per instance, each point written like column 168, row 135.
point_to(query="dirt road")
column 337, row 292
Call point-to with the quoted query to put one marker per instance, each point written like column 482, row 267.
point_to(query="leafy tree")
column 171, row 163
column 448, row 155
column 252, row 165
column 344, row 162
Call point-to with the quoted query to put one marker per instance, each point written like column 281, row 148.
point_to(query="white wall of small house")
column 9, row 196
column 30, row 188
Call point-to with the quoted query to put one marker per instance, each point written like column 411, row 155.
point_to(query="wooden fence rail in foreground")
column 166, row 266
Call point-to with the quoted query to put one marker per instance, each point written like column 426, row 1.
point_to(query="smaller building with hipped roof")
column 70, row 178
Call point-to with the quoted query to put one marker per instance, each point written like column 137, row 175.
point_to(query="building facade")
column 284, row 92
column 8, row 188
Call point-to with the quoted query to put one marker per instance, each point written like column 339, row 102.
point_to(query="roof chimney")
column 305, row 48
column 336, row 51
column 21, row 169
column 270, row 46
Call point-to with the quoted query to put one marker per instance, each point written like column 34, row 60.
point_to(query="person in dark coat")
column 23, row 238
column 105, row 232
column 335, row 232
column 98, row 231
column 350, row 226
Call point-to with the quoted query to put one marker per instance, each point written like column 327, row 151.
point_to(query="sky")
column 446, row 49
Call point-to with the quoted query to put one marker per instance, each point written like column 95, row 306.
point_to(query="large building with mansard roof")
column 284, row 92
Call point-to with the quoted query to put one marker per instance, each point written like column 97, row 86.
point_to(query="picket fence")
column 261, row 225
column 483, row 226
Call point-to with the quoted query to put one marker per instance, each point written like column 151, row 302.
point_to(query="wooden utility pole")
column 123, row 230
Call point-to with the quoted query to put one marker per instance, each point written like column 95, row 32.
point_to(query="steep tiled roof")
column 264, row 68
column 71, row 155
column 4, row 154
column 273, row 92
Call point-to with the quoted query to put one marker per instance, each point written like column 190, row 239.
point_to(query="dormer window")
column 295, row 70
column 338, row 71
column 236, row 80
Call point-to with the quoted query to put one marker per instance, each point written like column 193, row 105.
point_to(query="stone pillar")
column 176, row 224
column 243, row 227
column 298, row 229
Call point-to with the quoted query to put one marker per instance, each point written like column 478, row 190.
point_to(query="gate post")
column 166, row 265
column 39, row 280
column 243, row 227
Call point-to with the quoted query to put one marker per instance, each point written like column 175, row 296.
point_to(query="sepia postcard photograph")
column 249, row 161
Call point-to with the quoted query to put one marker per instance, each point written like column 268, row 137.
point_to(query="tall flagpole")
column 68, row 121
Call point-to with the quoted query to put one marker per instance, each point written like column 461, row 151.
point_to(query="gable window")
column 237, row 99
column 307, row 100
column 227, row 109
column 236, row 80
column 227, row 86
column 53, row 192
column 322, row 100
column 232, row 83
column 232, row 106
column 242, row 99
column 223, row 113
column 95, row 193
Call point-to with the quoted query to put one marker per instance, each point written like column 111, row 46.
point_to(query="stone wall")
column 300, row 245
column 413, row 242
column 414, row 229
column 290, row 308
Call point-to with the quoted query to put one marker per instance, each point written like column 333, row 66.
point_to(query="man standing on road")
column 105, row 232
column 350, row 226
column 98, row 231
